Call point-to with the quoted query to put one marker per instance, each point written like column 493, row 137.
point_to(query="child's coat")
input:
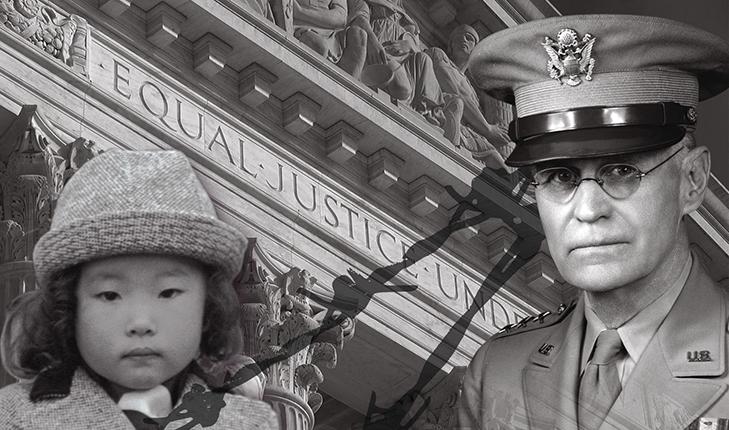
column 89, row 407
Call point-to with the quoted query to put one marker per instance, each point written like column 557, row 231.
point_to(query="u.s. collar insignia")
column 569, row 57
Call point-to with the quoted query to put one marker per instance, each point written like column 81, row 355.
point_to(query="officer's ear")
column 695, row 173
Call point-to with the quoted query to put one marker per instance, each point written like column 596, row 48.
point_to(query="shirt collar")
column 638, row 331
column 56, row 383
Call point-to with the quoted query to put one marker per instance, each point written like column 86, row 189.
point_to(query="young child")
column 134, row 287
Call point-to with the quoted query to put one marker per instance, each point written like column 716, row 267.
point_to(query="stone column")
column 287, row 337
column 34, row 165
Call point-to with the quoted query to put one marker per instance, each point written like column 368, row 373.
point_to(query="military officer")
column 605, row 114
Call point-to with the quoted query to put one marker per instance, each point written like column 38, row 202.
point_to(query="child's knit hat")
column 135, row 202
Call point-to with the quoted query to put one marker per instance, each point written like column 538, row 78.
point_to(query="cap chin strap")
column 647, row 114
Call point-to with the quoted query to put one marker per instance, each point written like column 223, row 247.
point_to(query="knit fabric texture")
column 136, row 202
column 89, row 407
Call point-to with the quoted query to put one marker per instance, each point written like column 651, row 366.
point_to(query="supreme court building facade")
column 331, row 176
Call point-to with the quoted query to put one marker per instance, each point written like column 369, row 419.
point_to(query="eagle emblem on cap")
column 570, row 57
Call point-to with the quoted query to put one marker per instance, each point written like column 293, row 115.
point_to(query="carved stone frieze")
column 483, row 131
column 62, row 37
column 288, row 338
column 283, row 13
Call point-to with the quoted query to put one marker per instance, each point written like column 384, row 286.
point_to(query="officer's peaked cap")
column 598, row 85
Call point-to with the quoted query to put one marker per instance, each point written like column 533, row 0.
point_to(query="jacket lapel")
column 86, row 403
column 664, row 391
column 551, row 380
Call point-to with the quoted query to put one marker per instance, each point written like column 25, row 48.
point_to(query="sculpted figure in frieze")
column 262, row 7
column 323, row 26
column 61, row 37
column 396, row 64
column 488, row 141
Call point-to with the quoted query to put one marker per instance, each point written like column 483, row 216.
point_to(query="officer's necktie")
column 600, row 384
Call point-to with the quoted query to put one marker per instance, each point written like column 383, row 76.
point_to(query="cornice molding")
column 713, row 215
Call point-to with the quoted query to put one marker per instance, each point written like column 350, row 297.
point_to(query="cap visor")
column 592, row 143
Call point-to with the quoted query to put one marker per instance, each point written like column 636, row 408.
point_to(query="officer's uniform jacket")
column 529, row 378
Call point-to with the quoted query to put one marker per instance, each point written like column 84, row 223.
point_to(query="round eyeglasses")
column 618, row 180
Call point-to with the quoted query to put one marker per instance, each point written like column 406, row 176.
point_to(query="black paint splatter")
column 205, row 406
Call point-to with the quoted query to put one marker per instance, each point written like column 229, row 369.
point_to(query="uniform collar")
column 551, row 379
column 693, row 336
column 637, row 332
column 684, row 362
column 566, row 331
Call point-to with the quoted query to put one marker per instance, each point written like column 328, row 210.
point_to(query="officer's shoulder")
column 536, row 322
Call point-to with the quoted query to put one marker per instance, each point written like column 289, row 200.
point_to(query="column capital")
column 288, row 336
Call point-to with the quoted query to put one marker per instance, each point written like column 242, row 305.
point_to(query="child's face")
column 139, row 317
